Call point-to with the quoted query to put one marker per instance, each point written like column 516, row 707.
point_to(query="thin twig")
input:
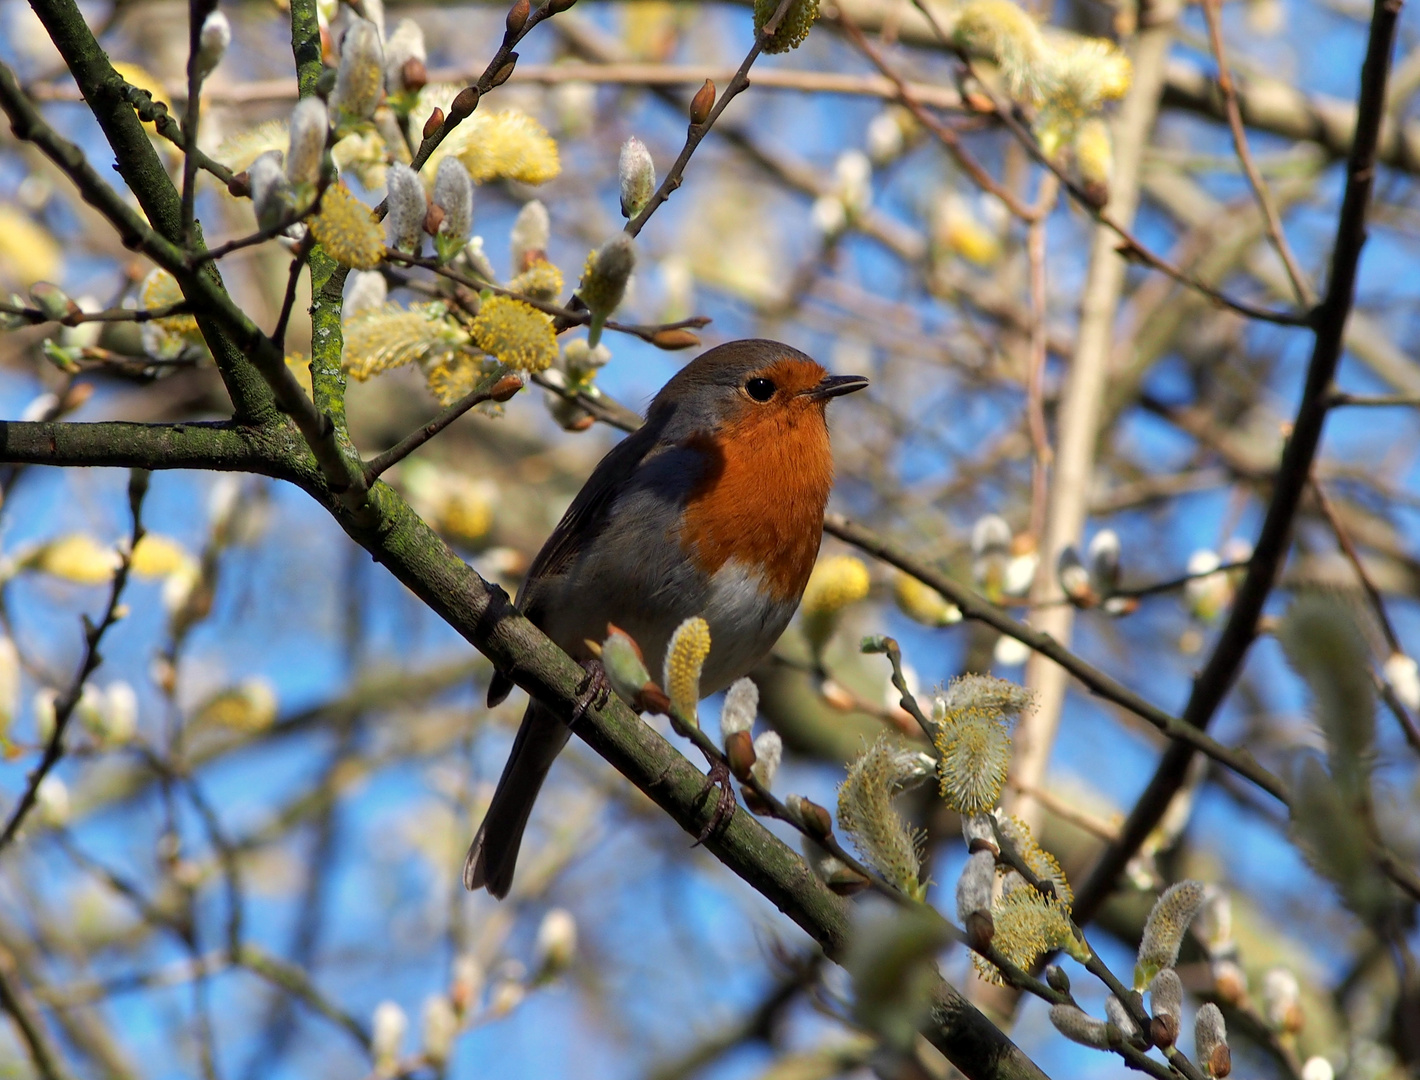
column 697, row 132
column 293, row 279
column 1035, row 379
column 74, row 318
column 1373, row 401
column 1213, row 12
column 499, row 388
column 197, row 12
column 93, row 634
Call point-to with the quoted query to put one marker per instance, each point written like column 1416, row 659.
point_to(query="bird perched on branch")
column 714, row 508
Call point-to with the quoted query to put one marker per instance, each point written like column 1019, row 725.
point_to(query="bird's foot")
column 725, row 805
column 594, row 690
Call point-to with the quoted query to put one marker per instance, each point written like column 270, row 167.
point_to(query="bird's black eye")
column 760, row 389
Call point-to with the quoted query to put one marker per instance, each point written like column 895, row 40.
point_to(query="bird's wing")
column 584, row 519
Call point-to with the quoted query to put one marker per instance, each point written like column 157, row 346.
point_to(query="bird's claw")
column 594, row 690
column 725, row 805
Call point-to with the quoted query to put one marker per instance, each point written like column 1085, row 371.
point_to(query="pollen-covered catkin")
column 1164, row 930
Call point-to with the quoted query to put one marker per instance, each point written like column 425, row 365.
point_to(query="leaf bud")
column 739, row 752
column 1210, row 1039
column 53, row 301
column 212, row 42
column 813, row 817
column 637, row 173
column 702, row 103
column 516, row 20
column 505, row 72
column 672, row 339
column 465, row 101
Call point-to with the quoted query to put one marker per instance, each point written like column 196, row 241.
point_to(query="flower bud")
column 1074, row 578
column 212, row 42
column 638, row 177
column 835, row 584
column 404, row 223
column 607, row 271
column 1229, row 981
column 1079, row 1027
column 671, row 339
column 270, row 193
column 387, row 1030
column 702, row 103
column 739, row 753
column 1282, row 1000
column 439, row 1027
column 366, row 290
column 1094, row 158
column 833, row 871
column 53, row 301
column 741, row 706
column 1210, row 1037
column 976, row 830
column 813, row 817
column 465, row 101
column 1119, row 1016
column 453, row 193
column 1104, row 560
column 976, row 885
column 405, row 56
column 504, row 73
column 1056, row 978
column 625, row 668
column 1403, row 675
column 1164, row 930
column 310, row 123
column 532, row 229
column 768, row 752
column 556, row 942
column 517, row 18
column 360, row 78
column 1166, row 1003
column 467, row 984
column 52, row 801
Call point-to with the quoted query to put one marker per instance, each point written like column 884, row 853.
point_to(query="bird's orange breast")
column 761, row 499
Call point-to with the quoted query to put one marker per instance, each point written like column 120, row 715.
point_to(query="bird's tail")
column 494, row 853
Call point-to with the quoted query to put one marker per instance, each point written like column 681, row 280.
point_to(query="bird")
column 713, row 507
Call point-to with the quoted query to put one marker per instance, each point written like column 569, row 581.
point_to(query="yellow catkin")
column 347, row 229
column 159, row 289
column 391, row 336
column 685, row 656
column 866, row 813
column 1042, row 864
column 541, row 281
column 922, row 603
column 836, row 582
column 1027, row 924
column 238, row 151
column 455, row 375
column 516, row 333
column 792, row 29
column 158, row 556
column 975, row 754
column 78, row 558
column 1007, row 35
column 508, row 145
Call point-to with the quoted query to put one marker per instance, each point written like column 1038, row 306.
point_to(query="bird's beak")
column 832, row 386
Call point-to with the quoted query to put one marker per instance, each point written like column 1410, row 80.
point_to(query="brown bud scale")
column 414, row 74
column 464, row 103
column 517, row 19
column 675, row 339
column 435, row 121
column 702, row 103
column 739, row 751
column 505, row 72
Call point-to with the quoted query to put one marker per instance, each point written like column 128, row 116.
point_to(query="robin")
column 714, row 507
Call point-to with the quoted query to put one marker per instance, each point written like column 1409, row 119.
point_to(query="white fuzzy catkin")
column 407, row 208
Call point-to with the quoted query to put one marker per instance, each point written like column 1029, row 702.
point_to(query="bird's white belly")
column 745, row 622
